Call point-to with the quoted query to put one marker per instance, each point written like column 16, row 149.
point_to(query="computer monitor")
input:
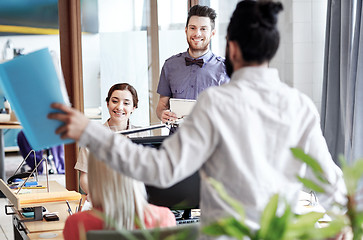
column 184, row 195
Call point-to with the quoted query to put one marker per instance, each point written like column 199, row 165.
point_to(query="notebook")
column 31, row 83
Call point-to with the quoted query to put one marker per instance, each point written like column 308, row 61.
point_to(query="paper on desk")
column 86, row 206
column 181, row 107
column 306, row 204
column 31, row 83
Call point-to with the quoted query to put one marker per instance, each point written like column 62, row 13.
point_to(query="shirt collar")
column 257, row 74
column 107, row 125
column 206, row 57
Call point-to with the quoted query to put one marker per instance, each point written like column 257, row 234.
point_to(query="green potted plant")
column 289, row 225
column 352, row 174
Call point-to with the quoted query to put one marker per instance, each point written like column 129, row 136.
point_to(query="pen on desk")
column 31, row 187
column 79, row 205
column 69, row 208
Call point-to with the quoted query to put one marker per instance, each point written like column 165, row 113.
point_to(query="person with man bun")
column 239, row 133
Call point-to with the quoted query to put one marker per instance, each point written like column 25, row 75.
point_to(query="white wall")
column 300, row 58
column 91, row 70
column 31, row 43
column 121, row 64
column 123, row 55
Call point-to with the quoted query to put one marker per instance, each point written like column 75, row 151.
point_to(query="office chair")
column 188, row 231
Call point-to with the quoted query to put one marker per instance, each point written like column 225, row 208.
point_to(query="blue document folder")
column 31, row 83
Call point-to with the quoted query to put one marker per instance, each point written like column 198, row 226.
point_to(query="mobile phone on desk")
column 51, row 217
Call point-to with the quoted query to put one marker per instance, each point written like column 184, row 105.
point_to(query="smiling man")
column 187, row 74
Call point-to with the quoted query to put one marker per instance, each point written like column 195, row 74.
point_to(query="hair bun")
column 268, row 13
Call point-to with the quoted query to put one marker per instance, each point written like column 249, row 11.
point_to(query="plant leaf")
column 311, row 162
column 281, row 225
column 311, row 185
column 331, row 230
column 180, row 235
column 352, row 175
column 300, row 228
column 213, row 229
column 236, row 205
column 235, row 229
column 268, row 216
column 359, row 218
column 342, row 161
column 227, row 226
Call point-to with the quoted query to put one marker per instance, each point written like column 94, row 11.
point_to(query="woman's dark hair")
column 253, row 27
column 202, row 11
column 123, row 86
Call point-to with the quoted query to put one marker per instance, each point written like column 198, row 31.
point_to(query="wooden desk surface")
column 56, row 235
column 60, row 208
column 43, row 229
column 43, row 226
column 36, row 197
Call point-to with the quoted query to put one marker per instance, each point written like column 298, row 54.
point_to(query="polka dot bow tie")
column 190, row 61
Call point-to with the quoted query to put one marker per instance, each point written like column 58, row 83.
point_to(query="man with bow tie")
column 187, row 74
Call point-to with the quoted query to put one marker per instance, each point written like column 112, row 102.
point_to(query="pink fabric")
column 82, row 222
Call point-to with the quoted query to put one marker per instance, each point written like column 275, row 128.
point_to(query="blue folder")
column 31, row 83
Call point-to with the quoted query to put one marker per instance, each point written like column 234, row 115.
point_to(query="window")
column 115, row 52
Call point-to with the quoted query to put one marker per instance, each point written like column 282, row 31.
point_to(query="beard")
column 228, row 63
column 202, row 48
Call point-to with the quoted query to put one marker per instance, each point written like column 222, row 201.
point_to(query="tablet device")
column 181, row 107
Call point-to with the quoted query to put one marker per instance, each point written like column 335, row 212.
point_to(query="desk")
column 54, row 201
column 5, row 125
column 37, row 229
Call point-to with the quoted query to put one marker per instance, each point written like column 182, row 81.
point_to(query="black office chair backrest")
column 188, row 231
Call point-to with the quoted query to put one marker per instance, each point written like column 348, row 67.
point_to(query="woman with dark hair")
column 240, row 133
column 121, row 101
